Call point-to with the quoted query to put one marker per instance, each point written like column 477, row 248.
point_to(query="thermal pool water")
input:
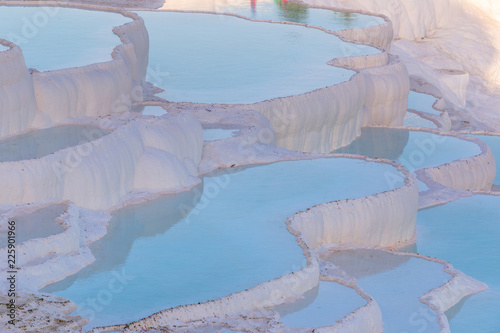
column 42, row 142
column 46, row 35
column 249, row 61
column 223, row 237
column 466, row 233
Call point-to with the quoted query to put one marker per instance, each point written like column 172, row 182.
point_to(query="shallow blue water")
column 466, row 233
column 281, row 10
column 3, row 48
column 38, row 224
column 39, row 143
column 213, row 134
column 203, row 58
column 494, row 143
column 153, row 110
column 46, row 35
column 422, row 102
column 234, row 237
column 321, row 306
column 396, row 283
column 414, row 149
column 414, row 120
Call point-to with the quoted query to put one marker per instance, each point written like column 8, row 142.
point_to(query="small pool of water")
column 39, row 224
column 153, row 110
column 414, row 149
column 214, row 134
column 321, row 306
column 280, row 10
column 466, row 233
column 414, row 120
column 494, row 143
column 46, row 35
column 396, row 283
column 224, row 237
column 39, row 143
column 422, row 102
column 4, row 48
column 422, row 186
column 203, row 58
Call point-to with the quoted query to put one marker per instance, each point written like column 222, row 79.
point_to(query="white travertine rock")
column 158, row 170
column 318, row 121
column 326, row 119
column 387, row 219
column 263, row 295
column 361, row 62
column 475, row 173
column 380, row 35
column 17, row 98
column 98, row 89
column 93, row 90
column 447, row 25
column 386, row 95
column 98, row 174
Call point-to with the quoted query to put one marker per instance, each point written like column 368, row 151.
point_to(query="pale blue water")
column 213, row 134
column 494, row 143
column 414, row 120
column 39, row 224
column 153, row 110
column 466, row 233
column 321, row 306
column 422, row 186
column 234, row 238
column 281, row 10
column 414, row 149
column 422, row 102
column 3, row 48
column 203, row 58
column 39, row 143
column 46, row 35
column 396, row 283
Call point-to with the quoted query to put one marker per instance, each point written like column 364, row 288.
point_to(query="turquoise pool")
column 153, row 110
column 396, row 283
column 224, row 237
column 38, row 224
column 203, row 58
column 281, row 10
column 466, row 233
column 39, row 143
column 422, row 102
column 414, row 149
column 213, row 134
column 414, row 120
column 321, row 306
column 46, row 35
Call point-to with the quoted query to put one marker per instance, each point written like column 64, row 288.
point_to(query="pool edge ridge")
column 124, row 72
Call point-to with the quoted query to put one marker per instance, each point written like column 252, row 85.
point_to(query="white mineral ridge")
column 100, row 173
column 97, row 89
column 40, row 99
column 16, row 92
column 328, row 118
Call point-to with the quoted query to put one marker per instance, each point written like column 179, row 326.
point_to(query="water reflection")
column 292, row 11
column 130, row 224
column 279, row 10
column 39, row 143
column 378, row 142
